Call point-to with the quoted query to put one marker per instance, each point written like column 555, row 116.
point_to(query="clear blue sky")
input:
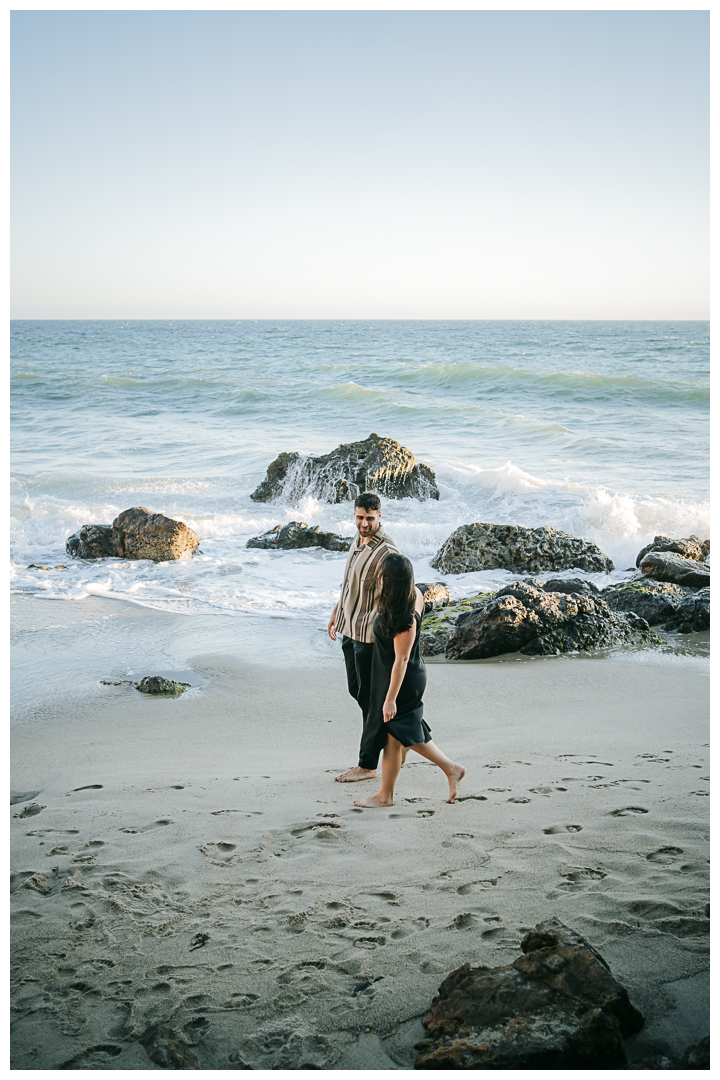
column 232, row 164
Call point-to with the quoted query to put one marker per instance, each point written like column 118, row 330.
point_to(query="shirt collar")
column 373, row 541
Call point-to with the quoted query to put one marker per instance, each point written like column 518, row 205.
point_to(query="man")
column 353, row 616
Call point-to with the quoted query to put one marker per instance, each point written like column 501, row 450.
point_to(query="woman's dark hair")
column 396, row 603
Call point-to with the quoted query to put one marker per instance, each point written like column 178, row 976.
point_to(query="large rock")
column 524, row 551
column 297, row 534
column 134, row 534
column 666, row 566
column 535, row 623
column 556, row 1007
column 653, row 601
column 690, row 548
column 435, row 595
column 692, row 615
column 375, row 464
column 566, row 585
column 438, row 626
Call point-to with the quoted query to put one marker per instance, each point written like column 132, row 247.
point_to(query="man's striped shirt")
column 359, row 595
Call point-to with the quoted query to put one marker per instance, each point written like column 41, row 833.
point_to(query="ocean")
column 600, row 429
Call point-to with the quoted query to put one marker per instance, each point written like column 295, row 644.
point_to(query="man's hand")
column 389, row 710
column 331, row 628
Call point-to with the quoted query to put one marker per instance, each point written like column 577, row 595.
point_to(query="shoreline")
column 330, row 928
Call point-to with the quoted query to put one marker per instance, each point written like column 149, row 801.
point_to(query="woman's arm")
column 403, row 644
column 419, row 601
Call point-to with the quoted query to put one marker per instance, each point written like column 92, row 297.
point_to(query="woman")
column 399, row 678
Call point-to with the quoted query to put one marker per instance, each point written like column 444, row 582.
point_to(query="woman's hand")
column 389, row 709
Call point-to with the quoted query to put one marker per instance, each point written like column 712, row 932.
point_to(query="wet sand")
column 330, row 928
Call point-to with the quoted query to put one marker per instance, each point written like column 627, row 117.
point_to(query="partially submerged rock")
column 297, row 534
column 374, row 464
column 556, row 1007
column 156, row 684
column 691, row 615
column 689, row 548
column 535, row 623
column 435, row 595
column 667, row 566
column 483, row 546
column 653, row 601
column 135, row 534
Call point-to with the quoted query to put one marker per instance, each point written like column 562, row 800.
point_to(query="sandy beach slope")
column 329, row 928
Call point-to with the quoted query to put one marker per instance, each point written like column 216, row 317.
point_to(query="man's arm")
column 331, row 625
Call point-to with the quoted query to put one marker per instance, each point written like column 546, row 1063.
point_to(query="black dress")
column 407, row 726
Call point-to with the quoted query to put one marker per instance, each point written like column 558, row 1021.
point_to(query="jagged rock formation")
column 375, row 464
column 666, row 566
column 525, row 619
column 297, row 534
column 556, row 1007
column 134, row 534
column 691, row 615
column 484, row 546
column 689, row 548
column 439, row 626
column 653, row 601
column 566, row 585
column 436, row 595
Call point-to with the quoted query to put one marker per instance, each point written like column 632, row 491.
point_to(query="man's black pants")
column 358, row 665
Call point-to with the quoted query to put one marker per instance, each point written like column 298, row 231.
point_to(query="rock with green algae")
column 438, row 626
column 654, row 601
column 156, row 684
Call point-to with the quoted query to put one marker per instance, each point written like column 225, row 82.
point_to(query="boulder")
column 296, row 534
column 690, row 548
column 156, row 684
column 653, row 601
column 524, row 551
column 556, row 1007
column 691, row 615
column 375, row 464
column 134, row 534
column 435, row 594
column 566, row 585
column 535, row 623
column 667, row 566
column 439, row 626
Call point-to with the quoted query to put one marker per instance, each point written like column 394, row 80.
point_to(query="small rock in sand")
column 156, row 684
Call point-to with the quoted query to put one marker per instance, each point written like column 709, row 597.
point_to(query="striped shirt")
column 357, row 606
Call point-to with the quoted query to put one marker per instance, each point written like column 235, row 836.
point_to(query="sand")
column 329, row 929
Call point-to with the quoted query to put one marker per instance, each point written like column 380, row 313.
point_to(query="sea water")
column 600, row 429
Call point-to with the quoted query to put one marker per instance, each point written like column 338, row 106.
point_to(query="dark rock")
column 691, row 615
column 567, row 585
column 510, row 547
column 438, row 626
column 165, row 1049
column 435, row 594
column 666, row 566
column 134, row 534
column 523, row 618
column 296, row 534
column 696, row 1056
column 690, row 548
column 156, row 684
column 654, row 601
column 375, row 464
column 556, row 1007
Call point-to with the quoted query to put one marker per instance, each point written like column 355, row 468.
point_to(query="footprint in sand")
column 425, row 813
column 625, row 810
column 457, row 836
column 468, row 798
column 664, row 855
column 22, row 796
column 465, row 921
column 518, row 800
column 562, row 828
column 85, row 787
column 476, row 886
column 580, row 875
column 146, row 828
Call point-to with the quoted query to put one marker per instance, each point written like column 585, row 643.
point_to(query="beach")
column 195, row 865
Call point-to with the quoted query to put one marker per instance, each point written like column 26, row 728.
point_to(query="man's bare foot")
column 374, row 800
column 404, row 755
column 357, row 773
column 454, row 781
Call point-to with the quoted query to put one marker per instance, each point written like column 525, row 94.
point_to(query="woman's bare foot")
column 454, row 781
column 375, row 800
column 357, row 773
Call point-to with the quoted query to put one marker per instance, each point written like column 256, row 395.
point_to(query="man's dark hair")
column 368, row 500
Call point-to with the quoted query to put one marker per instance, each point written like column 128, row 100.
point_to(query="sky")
column 360, row 164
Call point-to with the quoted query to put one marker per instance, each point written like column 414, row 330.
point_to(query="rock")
column 134, row 534
column 691, row 548
column 523, row 618
column 696, row 1056
column 566, row 585
column 435, row 594
column 666, row 566
column 375, row 464
column 691, row 615
column 30, row 810
column 556, row 1007
column 156, row 684
column 438, row 627
column 510, row 547
column 653, row 601
column 165, row 1049
column 296, row 534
